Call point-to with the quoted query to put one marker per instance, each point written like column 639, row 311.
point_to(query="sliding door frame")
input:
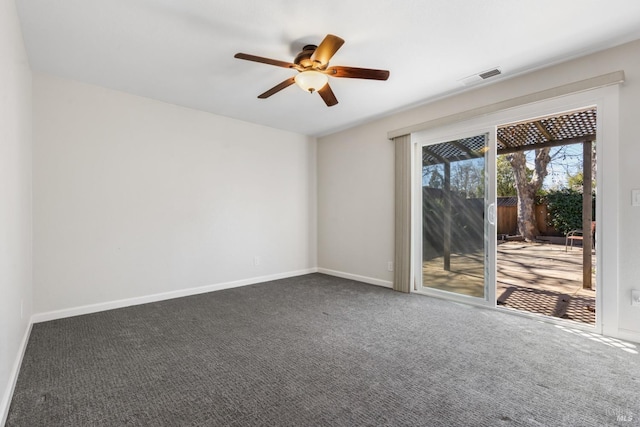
column 605, row 99
column 444, row 135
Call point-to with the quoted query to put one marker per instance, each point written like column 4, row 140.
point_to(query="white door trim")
column 605, row 99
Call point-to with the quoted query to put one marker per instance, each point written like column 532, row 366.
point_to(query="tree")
column 576, row 182
column 527, row 185
column 436, row 180
column 505, row 181
column 575, row 179
column 467, row 179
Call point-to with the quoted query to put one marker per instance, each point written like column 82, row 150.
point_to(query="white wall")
column 355, row 203
column 355, row 174
column 15, row 197
column 134, row 197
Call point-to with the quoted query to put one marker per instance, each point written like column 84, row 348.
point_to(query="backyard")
column 540, row 278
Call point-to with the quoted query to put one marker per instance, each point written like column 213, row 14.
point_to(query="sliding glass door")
column 457, row 238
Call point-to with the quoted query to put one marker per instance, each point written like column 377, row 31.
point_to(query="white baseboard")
column 13, row 377
column 627, row 335
column 110, row 305
column 369, row 280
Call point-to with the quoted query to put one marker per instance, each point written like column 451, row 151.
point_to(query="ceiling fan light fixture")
column 311, row 81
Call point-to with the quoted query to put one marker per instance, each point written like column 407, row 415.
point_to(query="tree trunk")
column 526, row 189
column 527, row 226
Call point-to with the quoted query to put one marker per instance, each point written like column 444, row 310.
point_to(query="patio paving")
column 545, row 279
column 535, row 277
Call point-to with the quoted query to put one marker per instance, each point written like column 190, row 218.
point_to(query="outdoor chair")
column 578, row 235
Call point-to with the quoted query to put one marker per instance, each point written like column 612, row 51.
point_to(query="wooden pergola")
column 446, row 154
column 576, row 127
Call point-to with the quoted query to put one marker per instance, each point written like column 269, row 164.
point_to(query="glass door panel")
column 455, row 243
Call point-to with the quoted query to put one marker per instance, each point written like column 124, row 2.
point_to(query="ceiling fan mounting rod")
column 304, row 60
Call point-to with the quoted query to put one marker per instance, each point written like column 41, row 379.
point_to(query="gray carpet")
column 320, row 351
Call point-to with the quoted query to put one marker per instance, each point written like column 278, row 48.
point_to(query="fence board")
column 508, row 221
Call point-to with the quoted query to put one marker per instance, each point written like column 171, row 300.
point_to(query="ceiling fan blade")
column 265, row 60
column 357, row 73
column 277, row 88
column 328, row 96
column 327, row 48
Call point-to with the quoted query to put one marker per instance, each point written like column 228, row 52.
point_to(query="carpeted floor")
column 320, row 351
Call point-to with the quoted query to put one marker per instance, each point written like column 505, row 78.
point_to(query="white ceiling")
column 181, row 51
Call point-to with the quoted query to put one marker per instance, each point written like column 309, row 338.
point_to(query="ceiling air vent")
column 489, row 73
column 477, row 78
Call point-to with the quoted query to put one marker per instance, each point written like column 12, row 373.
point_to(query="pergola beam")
column 543, row 130
column 472, row 154
column 552, row 143
column 503, row 142
column 439, row 158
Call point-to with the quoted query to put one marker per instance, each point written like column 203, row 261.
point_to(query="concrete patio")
column 545, row 279
column 536, row 277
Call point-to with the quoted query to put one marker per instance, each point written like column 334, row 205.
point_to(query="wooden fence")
column 507, row 222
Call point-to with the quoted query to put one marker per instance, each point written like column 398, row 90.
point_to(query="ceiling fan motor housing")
column 304, row 58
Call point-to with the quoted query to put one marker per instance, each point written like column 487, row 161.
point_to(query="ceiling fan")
column 313, row 69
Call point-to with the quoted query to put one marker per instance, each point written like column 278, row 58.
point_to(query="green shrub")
column 565, row 209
